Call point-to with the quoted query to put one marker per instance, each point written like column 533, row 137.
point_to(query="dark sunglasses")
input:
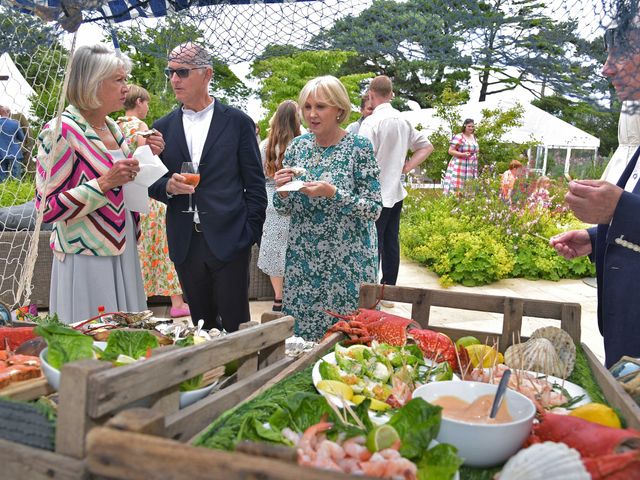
column 181, row 72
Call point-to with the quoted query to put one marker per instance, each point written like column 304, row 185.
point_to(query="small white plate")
column 293, row 186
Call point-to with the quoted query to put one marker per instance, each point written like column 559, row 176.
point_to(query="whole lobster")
column 365, row 325
column 611, row 453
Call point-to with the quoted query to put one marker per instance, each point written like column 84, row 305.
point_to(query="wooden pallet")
column 92, row 392
column 135, row 445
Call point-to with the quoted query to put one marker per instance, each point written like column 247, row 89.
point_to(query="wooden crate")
column 132, row 446
column 92, row 392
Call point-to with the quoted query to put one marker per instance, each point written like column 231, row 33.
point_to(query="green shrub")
column 14, row 192
column 477, row 238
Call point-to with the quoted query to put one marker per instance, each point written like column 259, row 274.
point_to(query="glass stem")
column 190, row 208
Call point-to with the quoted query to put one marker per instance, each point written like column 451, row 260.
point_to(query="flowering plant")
column 477, row 237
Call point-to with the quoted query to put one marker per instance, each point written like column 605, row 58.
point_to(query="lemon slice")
column 597, row 413
column 336, row 388
column 381, row 437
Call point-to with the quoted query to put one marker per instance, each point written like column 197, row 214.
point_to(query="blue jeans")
column 10, row 166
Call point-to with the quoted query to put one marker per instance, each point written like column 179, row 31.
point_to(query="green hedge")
column 477, row 238
column 14, row 192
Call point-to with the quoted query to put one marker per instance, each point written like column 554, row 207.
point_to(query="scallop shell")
column 563, row 344
column 537, row 354
column 545, row 461
column 298, row 171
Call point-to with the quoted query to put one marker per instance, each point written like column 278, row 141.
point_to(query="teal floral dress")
column 333, row 245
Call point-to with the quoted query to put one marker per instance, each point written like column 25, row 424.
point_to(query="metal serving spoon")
column 502, row 388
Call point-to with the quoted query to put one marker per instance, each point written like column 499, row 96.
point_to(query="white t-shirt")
column 392, row 136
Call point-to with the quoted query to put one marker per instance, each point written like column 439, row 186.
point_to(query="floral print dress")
column 461, row 169
column 158, row 273
column 332, row 245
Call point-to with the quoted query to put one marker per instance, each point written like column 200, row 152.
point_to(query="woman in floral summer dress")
column 332, row 237
column 158, row 272
column 463, row 165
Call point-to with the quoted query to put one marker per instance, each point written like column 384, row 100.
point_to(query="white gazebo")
column 547, row 130
column 14, row 89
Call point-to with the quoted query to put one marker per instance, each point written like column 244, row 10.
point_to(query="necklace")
column 100, row 129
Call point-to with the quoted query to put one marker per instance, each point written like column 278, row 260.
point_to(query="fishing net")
column 436, row 51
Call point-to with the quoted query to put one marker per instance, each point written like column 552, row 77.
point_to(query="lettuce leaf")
column 439, row 463
column 252, row 429
column 131, row 343
column 64, row 344
column 191, row 384
column 417, row 423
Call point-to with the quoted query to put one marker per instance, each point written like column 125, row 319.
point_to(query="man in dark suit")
column 614, row 244
column 211, row 250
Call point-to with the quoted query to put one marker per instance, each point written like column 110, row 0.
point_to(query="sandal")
column 277, row 305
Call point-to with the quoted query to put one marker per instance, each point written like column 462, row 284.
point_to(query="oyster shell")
column 563, row 343
column 537, row 354
column 543, row 461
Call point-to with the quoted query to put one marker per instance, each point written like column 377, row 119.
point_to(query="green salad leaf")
column 417, row 423
column 252, row 429
column 185, row 342
column 191, row 384
column 300, row 410
column 134, row 344
column 439, row 463
column 64, row 344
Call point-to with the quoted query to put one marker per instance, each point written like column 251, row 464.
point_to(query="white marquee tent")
column 14, row 90
column 549, row 131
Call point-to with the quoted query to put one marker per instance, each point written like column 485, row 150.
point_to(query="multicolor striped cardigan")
column 85, row 220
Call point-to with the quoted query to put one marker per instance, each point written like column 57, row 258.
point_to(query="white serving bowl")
column 482, row 445
column 53, row 377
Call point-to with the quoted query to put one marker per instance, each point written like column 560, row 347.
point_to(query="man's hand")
column 572, row 244
column 156, row 142
column 177, row 186
column 593, row 201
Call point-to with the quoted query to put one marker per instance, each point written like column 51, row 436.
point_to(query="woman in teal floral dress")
column 332, row 237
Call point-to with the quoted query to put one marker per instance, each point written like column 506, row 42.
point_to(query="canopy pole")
column 566, row 161
column 544, row 161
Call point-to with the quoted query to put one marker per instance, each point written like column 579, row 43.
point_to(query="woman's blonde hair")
column 285, row 124
column 331, row 90
column 135, row 92
column 90, row 66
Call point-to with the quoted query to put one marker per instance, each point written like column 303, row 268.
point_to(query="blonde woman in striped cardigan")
column 81, row 167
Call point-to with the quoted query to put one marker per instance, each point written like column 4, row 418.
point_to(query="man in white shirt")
column 392, row 137
column 365, row 110
column 212, row 249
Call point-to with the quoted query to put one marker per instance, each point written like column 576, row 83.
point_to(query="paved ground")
column 414, row 275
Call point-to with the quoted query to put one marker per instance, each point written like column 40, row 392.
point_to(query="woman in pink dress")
column 463, row 165
column 158, row 272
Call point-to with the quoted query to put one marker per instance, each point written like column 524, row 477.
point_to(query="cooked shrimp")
column 354, row 447
column 331, row 450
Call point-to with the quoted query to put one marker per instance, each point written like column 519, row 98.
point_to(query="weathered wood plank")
column 421, row 308
column 614, row 392
column 139, row 420
column 73, row 419
column 272, row 354
column 249, row 364
column 116, row 387
column 118, row 455
column 20, row 462
column 511, row 321
column 27, row 390
column 188, row 422
column 570, row 321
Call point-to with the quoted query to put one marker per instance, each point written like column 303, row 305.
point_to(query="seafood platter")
column 87, row 381
column 357, row 404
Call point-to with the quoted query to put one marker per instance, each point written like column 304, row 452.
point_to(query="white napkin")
column 291, row 186
column 136, row 195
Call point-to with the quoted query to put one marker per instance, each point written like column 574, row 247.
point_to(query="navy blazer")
column 231, row 190
column 618, row 273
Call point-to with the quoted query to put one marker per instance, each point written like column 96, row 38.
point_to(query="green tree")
column 515, row 44
column 283, row 77
column 149, row 48
column 415, row 43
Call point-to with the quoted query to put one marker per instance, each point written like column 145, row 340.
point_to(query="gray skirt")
column 81, row 283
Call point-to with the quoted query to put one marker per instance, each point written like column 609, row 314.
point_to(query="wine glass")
column 191, row 176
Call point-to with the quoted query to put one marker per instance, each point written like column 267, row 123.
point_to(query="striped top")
column 85, row 220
